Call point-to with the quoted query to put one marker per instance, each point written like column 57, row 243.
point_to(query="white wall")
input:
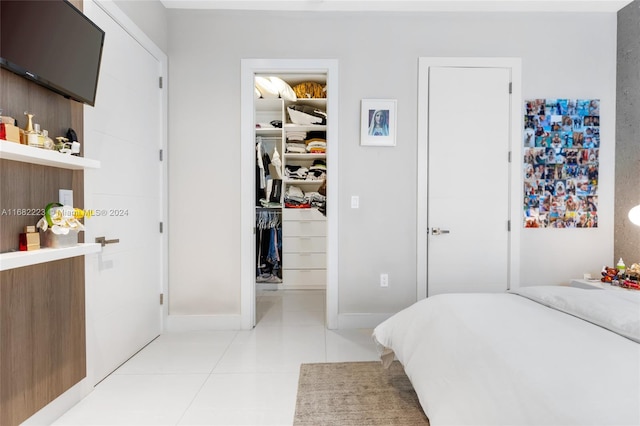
column 563, row 55
column 150, row 16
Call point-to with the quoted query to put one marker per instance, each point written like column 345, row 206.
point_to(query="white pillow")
column 266, row 88
column 257, row 93
column 285, row 91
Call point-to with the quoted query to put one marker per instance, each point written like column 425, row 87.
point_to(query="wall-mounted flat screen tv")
column 52, row 43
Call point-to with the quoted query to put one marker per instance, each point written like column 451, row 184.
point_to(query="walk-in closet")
column 290, row 118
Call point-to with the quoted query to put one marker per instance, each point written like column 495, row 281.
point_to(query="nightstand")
column 593, row 285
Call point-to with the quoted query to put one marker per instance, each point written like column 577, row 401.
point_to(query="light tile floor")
column 225, row 377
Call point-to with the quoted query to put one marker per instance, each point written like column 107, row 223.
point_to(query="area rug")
column 356, row 394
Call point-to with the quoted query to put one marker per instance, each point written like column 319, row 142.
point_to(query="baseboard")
column 347, row 321
column 181, row 323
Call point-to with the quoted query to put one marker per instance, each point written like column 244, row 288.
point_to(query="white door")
column 468, row 180
column 124, row 132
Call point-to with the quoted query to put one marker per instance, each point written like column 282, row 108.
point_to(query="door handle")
column 438, row 231
column 103, row 241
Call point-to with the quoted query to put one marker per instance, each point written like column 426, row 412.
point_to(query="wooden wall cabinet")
column 42, row 294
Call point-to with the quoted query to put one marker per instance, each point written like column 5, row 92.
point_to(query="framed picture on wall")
column 378, row 122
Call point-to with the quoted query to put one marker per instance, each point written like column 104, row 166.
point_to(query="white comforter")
column 504, row 359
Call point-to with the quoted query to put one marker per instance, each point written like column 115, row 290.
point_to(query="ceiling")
column 406, row 5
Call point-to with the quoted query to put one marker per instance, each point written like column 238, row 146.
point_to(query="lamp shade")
column 634, row 215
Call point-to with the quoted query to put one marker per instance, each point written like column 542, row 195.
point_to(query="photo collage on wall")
column 561, row 150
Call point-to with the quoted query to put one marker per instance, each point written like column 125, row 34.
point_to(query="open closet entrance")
column 289, row 150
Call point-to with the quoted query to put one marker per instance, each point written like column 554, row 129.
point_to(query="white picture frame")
column 378, row 122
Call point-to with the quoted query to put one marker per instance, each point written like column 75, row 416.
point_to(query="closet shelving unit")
column 27, row 154
column 303, row 230
column 300, row 159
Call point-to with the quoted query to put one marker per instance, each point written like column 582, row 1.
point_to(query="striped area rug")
column 356, row 394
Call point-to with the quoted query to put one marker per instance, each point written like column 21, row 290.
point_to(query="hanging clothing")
column 275, row 170
column 260, row 163
column 269, row 246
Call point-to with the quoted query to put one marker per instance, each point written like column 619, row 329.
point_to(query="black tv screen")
column 52, row 43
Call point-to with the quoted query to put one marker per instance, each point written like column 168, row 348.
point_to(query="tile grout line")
column 206, row 379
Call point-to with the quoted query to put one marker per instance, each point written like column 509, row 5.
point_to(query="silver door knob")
column 103, row 241
column 438, row 231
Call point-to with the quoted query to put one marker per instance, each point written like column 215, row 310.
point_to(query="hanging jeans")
column 275, row 248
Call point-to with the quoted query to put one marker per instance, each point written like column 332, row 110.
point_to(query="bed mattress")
column 523, row 358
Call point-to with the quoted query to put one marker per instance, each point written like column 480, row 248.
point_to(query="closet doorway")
column 316, row 260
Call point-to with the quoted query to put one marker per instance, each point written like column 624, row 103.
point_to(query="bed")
column 547, row 355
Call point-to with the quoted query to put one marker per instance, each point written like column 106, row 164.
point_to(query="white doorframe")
column 111, row 9
column 515, row 65
column 73, row 395
column 247, row 181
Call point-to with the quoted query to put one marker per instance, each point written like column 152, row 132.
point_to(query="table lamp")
column 634, row 215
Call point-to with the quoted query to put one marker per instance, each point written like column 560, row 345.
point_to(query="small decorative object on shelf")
column 609, row 275
column 29, row 239
column 74, row 146
column 60, row 143
column 51, row 240
column 30, row 135
column 632, row 277
column 48, row 142
column 8, row 129
column 623, row 277
column 633, row 272
column 70, row 148
column 60, row 225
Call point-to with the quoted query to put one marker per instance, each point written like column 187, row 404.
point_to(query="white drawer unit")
column 304, row 248
column 303, row 214
column 305, row 261
column 305, row 278
column 304, row 244
column 304, row 228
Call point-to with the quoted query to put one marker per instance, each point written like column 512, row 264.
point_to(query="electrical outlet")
column 355, row 202
column 384, row 280
column 65, row 197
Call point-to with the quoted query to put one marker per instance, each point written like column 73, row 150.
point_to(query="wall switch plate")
column 384, row 280
column 65, row 197
column 355, row 202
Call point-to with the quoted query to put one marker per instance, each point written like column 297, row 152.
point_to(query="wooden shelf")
column 18, row 259
column 44, row 157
